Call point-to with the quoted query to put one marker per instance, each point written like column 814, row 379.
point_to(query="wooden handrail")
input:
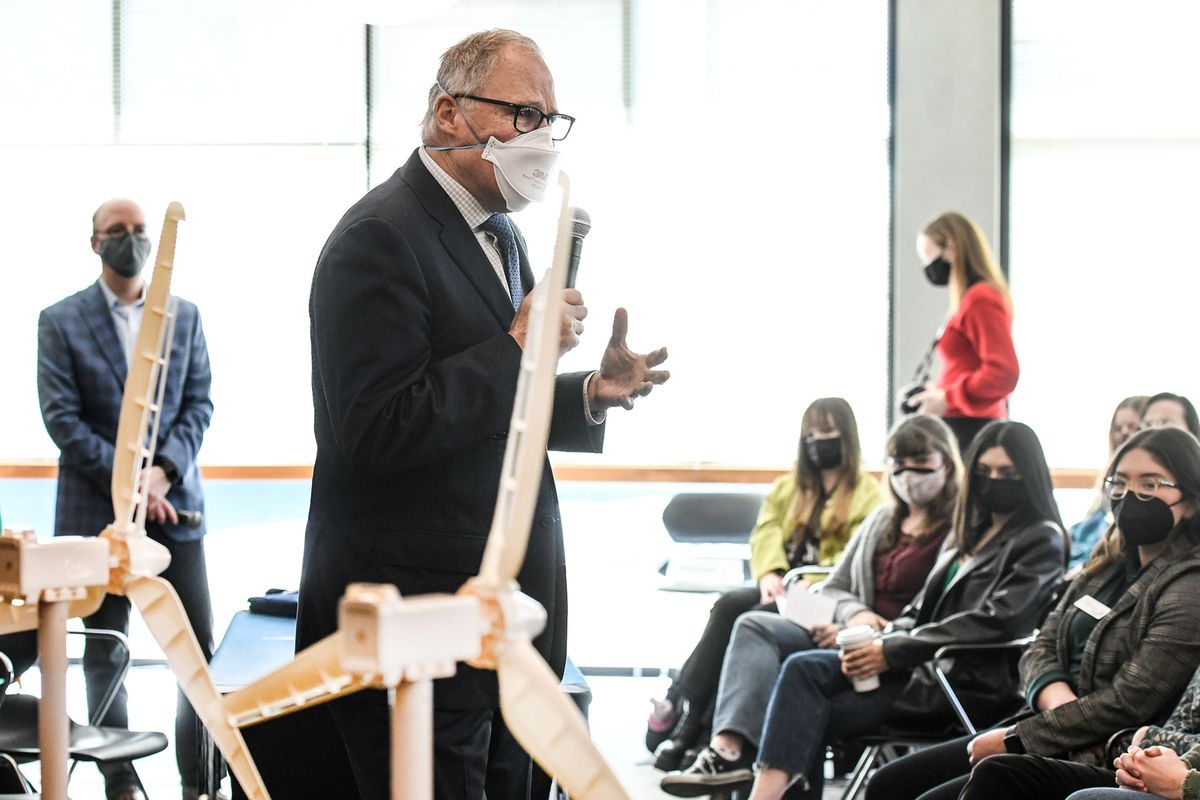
column 602, row 473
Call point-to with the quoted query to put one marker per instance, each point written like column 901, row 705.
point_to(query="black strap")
column 921, row 373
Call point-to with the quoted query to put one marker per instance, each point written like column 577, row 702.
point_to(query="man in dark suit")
column 85, row 343
column 418, row 324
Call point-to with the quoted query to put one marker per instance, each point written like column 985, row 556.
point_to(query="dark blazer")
column 413, row 381
column 1137, row 660
column 998, row 594
column 81, row 380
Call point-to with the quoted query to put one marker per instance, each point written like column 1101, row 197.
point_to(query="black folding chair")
column 891, row 742
column 19, row 723
column 708, row 518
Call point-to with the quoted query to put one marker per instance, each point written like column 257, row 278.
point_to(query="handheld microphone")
column 581, row 223
column 190, row 519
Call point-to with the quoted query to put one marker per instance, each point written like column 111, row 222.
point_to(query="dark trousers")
column 700, row 674
column 814, row 703
column 965, row 429
column 188, row 573
column 943, row 772
column 1033, row 777
column 20, row 649
column 473, row 751
column 935, row 773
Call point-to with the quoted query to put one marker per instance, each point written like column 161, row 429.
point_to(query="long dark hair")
column 1190, row 418
column 1178, row 453
column 1025, row 451
column 809, row 488
column 919, row 435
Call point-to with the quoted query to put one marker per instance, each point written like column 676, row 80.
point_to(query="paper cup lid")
column 855, row 634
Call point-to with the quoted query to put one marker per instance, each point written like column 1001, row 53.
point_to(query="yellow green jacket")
column 769, row 538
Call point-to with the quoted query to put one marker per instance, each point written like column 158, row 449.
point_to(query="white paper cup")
column 852, row 638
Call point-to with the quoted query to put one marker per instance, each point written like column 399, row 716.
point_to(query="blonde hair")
column 466, row 67
column 973, row 259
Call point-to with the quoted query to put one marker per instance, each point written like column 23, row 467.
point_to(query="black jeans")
column 935, row 773
column 1033, row 777
column 473, row 751
column 943, row 772
column 700, row 674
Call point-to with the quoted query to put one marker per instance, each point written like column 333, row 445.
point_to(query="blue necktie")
column 499, row 226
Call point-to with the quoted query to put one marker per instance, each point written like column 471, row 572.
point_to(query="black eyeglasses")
column 120, row 230
column 527, row 119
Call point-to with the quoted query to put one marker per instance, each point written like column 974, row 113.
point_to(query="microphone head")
column 581, row 222
column 190, row 519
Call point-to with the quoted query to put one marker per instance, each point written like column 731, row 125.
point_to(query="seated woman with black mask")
column 1003, row 560
column 883, row 567
column 806, row 519
column 1116, row 652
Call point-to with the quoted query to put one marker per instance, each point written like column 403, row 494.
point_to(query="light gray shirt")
column 127, row 318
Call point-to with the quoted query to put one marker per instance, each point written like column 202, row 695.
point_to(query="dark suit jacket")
column 999, row 593
column 413, row 381
column 81, row 380
column 1137, row 660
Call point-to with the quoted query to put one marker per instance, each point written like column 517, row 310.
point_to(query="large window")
column 1104, row 169
column 251, row 116
column 732, row 156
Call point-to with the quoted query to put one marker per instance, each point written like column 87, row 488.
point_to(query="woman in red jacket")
column 979, row 365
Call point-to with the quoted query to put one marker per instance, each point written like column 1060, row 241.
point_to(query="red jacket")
column 979, row 364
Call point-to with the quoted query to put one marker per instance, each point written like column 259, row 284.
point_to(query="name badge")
column 1092, row 607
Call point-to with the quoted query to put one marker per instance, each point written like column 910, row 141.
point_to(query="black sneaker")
column 710, row 773
column 669, row 755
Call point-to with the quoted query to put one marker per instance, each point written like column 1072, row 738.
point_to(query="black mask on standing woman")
column 938, row 271
column 824, row 453
column 999, row 495
column 1144, row 521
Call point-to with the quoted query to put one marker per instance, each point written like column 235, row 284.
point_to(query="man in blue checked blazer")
column 85, row 343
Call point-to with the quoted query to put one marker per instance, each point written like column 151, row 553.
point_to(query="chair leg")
column 862, row 769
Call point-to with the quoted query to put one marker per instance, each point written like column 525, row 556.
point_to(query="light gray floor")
column 619, row 616
column 618, row 712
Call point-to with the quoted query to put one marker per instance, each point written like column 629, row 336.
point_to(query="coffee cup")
column 851, row 639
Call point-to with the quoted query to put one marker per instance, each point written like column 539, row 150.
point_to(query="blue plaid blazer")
column 81, row 378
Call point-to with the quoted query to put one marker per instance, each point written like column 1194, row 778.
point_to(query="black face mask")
column 938, row 271
column 125, row 254
column 999, row 495
column 824, row 453
column 1144, row 521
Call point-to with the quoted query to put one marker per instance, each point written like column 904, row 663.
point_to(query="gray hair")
column 466, row 66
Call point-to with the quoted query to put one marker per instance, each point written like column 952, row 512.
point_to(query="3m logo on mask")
column 523, row 166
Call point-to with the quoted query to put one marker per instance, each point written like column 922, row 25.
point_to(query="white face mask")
column 524, row 166
column 918, row 488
